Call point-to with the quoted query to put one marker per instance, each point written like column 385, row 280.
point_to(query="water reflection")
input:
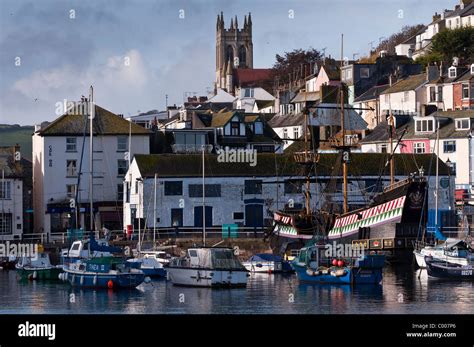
column 404, row 290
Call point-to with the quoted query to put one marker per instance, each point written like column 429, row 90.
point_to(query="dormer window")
column 235, row 128
column 452, row 72
column 463, row 124
column 248, row 92
column 258, row 127
column 424, row 125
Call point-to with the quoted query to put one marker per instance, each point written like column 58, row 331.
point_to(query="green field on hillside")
column 16, row 134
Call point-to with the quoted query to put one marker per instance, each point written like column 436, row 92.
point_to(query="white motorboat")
column 456, row 251
column 208, row 267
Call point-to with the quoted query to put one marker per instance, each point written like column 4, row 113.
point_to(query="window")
column 364, row 72
column 258, row 128
column 122, row 144
column 122, row 166
column 235, row 128
column 419, row 147
column 382, row 148
column 71, row 168
column 5, row 223
column 452, row 72
column 238, row 215
column 212, row 190
column 248, row 93
column 119, row 192
column 462, row 124
column 5, row 190
column 242, row 56
column 432, row 94
column 440, row 94
column 253, row 186
column 176, row 217
column 71, row 144
column 449, row 146
column 285, row 133
column 472, row 69
column 293, row 187
column 296, row 133
column 406, row 96
column 71, row 190
column 452, row 165
column 173, row 188
column 465, row 91
column 424, row 125
column 387, row 98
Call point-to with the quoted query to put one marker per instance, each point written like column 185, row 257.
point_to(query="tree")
column 454, row 43
column 390, row 43
column 296, row 63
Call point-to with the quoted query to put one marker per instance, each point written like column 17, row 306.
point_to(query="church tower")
column 234, row 49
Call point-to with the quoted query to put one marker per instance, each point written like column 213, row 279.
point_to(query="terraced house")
column 61, row 169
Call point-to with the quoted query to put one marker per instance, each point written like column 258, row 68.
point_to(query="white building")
column 243, row 195
column 462, row 16
column 61, row 164
column 255, row 100
column 12, row 175
column 405, row 96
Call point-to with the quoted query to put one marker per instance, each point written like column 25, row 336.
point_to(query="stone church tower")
column 234, row 49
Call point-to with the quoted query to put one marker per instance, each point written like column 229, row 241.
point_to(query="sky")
column 135, row 52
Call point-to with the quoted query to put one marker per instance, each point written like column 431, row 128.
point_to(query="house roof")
column 447, row 128
column 222, row 97
column 252, row 76
column 326, row 114
column 467, row 10
column 465, row 76
column 12, row 169
column 264, row 103
column 289, row 120
column 306, row 96
column 372, row 94
column 409, row 83
column 221, row 118
column 104, row 123
column 271, row 165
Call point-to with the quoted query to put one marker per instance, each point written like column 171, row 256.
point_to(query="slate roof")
column 270, row 165
column 21, row 169
column 447, row 128
column 250, row 77
column 104, row 123
column 372, row 94
column 407, row 84
column 281, row 121
column 326, row 114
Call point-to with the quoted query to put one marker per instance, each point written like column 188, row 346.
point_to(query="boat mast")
column 390, row 131
column 91, row 173
column 344, row 159
column 154, row 212
column 308, row 181
column 437, row 175
column 203, row 200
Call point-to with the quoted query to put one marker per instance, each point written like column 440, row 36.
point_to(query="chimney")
column 432, row 73
column 436, row 16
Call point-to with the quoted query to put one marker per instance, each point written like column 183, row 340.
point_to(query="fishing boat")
column 447, row 270
column 208, row 267
column 267, row 263
column 312, row 266
column 102, row 272
column 37, row 268
column 455, row 251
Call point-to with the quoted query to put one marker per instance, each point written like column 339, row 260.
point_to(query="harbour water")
column 401, row 292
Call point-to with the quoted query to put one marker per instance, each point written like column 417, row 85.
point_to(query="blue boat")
column 148, row 263
column 89, row 264
column 104, row 272
column 312, row 267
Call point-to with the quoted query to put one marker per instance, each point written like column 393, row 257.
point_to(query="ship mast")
column 390, row 138
column 308, row 182
column 345, row 154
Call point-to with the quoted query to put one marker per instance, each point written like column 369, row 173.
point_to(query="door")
column 254, row 215
column 198, row 216
column 176, row 217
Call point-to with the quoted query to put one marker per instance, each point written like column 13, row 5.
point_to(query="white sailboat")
column 207, row 266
